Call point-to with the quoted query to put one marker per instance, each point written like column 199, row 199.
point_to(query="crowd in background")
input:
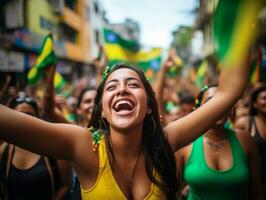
column 176, row 98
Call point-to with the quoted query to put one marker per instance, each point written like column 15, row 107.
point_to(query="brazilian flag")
column 120, row 50
column 46, row 58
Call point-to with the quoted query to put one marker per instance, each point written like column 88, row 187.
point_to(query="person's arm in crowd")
column 50, row 112
column 41, row 137
column 232, row 83
column 65, row 175
column 100, row 63
column 158, row 88
column 158, row 85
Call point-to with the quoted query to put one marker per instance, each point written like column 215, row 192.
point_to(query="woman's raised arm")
column 54, row 140
column 232, row 83
column 232, row 53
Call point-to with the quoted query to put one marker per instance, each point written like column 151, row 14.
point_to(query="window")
column 46, row 24
column 97, row 37
column 68, row 34
column 72, row 4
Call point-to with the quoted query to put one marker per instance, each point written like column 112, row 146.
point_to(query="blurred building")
column 204, row 26
column 98, row 21
column 182, row 42
column 75, row 25
column 129, row 29
column 203, row 23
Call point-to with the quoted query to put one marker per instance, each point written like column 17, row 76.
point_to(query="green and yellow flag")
column 235, row 28
column 59, row 82
column 201, row 73
column 47, row 55
column 45, row 58
column 119, row 50
column 34, row 75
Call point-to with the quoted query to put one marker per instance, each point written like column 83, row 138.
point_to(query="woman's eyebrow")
column 127, row 79
column 113, row 80
column 133, row 78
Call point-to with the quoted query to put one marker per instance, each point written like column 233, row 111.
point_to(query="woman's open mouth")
column 123, row 106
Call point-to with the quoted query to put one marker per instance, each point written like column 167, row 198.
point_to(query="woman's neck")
column 85, row 122
column 126, row 143
column 216, row 134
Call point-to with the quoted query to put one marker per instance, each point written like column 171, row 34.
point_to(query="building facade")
column 24, row 23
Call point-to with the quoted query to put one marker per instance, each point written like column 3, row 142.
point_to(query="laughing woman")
column 125, row 154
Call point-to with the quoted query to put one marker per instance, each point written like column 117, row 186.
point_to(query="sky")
column 157, row 18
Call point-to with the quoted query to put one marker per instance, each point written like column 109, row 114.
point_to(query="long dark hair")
column 81, row 94
column 253, row 98
column 24, row 99
column 158, row 153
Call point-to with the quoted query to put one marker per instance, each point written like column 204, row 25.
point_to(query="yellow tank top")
column 106, row 187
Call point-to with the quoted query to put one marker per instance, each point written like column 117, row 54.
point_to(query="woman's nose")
column 122, row 90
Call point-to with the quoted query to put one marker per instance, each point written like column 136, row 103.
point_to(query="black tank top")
column 30, row 184
column 261, row 144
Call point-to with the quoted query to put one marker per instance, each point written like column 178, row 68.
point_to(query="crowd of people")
column 121, row 144
column 128, row 138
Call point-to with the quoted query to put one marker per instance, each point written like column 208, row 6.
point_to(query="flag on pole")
column 235, row 28
column 119, row 50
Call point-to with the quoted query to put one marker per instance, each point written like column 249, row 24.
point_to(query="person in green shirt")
column 222, row 164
